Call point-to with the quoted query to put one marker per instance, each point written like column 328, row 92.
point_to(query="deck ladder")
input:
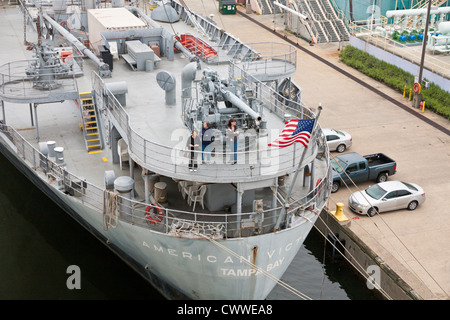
column 90, row 123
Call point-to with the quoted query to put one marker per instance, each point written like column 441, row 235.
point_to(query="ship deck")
column 152, row 120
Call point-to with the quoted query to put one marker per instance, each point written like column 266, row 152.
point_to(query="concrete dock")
column 413, row 245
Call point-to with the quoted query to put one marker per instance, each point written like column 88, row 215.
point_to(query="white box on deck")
column 110, row 19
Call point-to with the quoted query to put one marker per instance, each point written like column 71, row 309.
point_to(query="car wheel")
column 382, row 177
column 335, row 187
column 413, row 205
column 341, row 148
column 372, row 211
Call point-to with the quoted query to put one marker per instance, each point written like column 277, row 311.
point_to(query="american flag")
column 295, row 130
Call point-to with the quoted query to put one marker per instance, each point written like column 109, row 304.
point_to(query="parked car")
column 386, row 196
column 337, row 140
column 354, row 167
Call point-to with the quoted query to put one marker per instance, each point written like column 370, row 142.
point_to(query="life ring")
column 151, row 217
column 416, row 87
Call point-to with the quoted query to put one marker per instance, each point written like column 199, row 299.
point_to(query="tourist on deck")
column 207, row 138
column 193, row 145
column 232, row 139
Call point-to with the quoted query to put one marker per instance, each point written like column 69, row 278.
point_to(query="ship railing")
column 270, row 55
column 56, row 174
column 115, row 208
column 258, row 161
column 231, row 48
column 269, row 58
column 16, row 84
column 268, row 94
column 223, row 225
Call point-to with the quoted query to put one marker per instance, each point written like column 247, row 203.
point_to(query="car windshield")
column 338, row 165
column 375, row 191
column 410, row 186
column 339, row 132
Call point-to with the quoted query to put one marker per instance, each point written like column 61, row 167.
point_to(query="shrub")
column 435, row 98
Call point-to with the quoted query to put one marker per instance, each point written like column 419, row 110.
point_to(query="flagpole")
column 291, row 187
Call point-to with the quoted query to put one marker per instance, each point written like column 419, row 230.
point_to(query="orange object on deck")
column 66, row 56
column 196, row 45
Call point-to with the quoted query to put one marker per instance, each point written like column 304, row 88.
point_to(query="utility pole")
column 417, row 95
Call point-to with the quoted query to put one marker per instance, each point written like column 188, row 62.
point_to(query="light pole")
column 417, row 95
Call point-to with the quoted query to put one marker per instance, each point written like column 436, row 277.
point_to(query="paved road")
column 414, row 244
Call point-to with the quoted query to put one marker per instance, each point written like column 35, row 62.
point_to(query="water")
column 38, row 241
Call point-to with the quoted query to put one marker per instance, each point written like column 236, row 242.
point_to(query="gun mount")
column 221, row 100
column 46, row 69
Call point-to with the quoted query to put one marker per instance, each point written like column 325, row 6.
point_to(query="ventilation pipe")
column 167, row 82
column 417, row 12
column 187, row 76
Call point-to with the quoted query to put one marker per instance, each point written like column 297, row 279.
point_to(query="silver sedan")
column 386, row 196
column 337, row 139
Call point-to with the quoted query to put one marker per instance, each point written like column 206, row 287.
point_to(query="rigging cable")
column 267, row 274
column 323, row 264
column 361, row 271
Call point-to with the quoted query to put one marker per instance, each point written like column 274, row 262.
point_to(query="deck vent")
column 167, row 82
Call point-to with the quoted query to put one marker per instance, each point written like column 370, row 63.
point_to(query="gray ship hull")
column 182, row 267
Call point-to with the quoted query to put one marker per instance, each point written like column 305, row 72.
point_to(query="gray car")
column 337, row 140
column 387, row 196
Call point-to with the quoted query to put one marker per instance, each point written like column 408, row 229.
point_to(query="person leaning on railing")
column 207, row 139
column 232, row 139
column 193, row 144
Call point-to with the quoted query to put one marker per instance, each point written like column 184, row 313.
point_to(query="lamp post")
column 417, row 95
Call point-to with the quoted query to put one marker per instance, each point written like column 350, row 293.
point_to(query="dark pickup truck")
column 354, row 167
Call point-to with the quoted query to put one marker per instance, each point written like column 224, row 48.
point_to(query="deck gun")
column 222, row 100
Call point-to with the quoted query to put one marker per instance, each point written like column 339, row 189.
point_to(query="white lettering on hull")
column 233, row 272
column 274, row 258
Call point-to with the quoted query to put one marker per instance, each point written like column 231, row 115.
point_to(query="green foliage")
column 435, row 98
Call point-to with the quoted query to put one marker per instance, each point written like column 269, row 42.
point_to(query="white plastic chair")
column 188, row 188
column 183, row 187
column 122, row 149
column 197, row 196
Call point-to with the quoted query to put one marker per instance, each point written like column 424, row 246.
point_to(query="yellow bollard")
column 410, row 90
column 404, row 91
column 423, row 106
column 339, row 213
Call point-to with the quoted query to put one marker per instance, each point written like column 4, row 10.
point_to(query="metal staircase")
column 327, row 25
column 323, row 23
column 89, row 123
column 337, row 22
column 313, row 21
